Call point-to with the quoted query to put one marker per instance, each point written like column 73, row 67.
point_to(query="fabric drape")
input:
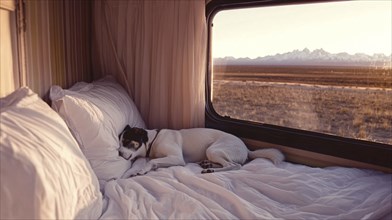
column 56, row 44
column 157, row 50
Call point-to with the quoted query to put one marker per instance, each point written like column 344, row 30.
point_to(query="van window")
column 322, row 67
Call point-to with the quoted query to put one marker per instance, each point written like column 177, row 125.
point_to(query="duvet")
column 259, row 190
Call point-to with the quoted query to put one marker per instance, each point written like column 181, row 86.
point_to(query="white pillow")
column 96, row 113
column 44, row 175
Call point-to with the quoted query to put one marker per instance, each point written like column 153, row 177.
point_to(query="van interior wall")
column 313, row 159
column 8, row 49
column 54, row 44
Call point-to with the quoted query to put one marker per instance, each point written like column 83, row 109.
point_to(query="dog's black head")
column 130, row 135
column 131, row 141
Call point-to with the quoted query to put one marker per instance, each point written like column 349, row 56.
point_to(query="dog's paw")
column 205, row 164
column 207, row 171
column 142, row 172
column 147, row 168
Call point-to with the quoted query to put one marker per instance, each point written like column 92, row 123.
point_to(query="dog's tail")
column 270, row 153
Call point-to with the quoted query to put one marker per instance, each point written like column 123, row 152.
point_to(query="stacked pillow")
column 44, row 174
column 96, row 113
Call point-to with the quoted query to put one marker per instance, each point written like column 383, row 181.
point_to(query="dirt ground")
column 349, row 111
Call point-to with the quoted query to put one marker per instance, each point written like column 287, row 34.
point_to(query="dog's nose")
column 123, row 155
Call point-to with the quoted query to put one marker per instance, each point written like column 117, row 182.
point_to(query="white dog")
column 214, row 149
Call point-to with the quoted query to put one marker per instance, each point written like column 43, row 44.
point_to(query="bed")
column 61, row 162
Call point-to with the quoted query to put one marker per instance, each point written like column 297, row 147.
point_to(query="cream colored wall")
column 9, row 73
column 51, row 46
column 7, row 5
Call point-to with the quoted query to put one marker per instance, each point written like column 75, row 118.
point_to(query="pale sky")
column 363, row 26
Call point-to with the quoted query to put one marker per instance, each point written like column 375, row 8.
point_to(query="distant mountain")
column 318, row 57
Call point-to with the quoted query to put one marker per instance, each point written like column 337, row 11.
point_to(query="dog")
column 213, row 149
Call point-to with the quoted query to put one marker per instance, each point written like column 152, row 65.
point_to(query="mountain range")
column 318, row 57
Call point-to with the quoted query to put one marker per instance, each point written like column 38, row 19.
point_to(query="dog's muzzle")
column 125, row 153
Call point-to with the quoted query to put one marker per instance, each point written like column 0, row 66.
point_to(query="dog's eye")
column 126, row 142
column 135, row 144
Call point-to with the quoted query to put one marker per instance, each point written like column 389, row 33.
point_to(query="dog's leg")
column 137, row 165
column 222, row 159
column 228, row 166
column 161, row 163
column 229, row 157
column 216, row 157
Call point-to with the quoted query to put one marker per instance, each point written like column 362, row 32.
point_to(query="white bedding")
column 260, row 190
column 45, row 175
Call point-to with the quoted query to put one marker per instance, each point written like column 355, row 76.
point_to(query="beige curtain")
column 157, row 50
column 56, row 44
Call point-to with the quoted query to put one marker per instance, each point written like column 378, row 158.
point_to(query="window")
column 320, row 69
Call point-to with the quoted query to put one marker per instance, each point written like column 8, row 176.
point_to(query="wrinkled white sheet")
column 260, row 190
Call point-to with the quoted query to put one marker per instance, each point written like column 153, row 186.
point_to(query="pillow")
column 44, row 174
column 96, row 113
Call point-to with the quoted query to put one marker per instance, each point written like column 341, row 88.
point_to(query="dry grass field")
column 349, row 102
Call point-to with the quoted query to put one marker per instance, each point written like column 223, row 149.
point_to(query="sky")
column 363, row 26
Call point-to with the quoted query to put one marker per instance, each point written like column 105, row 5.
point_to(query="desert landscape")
column 354, row 102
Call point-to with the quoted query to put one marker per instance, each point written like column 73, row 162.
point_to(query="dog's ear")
column 127, row 128
column 137, row 134
column 144, row 136
column 141, row 134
